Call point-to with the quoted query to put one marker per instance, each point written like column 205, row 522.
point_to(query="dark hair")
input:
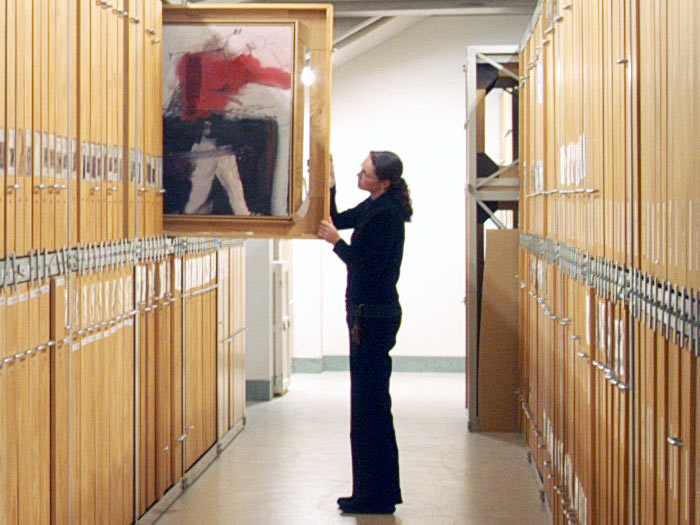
column 388, row 166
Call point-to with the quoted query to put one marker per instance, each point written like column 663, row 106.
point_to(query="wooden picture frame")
column 207, row 135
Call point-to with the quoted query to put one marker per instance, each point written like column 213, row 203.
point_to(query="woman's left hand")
column 328, row 232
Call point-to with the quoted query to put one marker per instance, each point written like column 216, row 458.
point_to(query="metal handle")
column 166, row 448
column 162, row 192
column 150, row 31
column 582, row 354
column 14, row 187
column 622, row 61
column 575, row 337
column 155, row 41
column 182, row 438
column 564, row 321
column 142, row 190
column 674, row 441
column 96, row 189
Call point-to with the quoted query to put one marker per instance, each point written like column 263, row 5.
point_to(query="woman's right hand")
column 328, row 232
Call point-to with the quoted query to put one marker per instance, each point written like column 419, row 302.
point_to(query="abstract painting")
column 227, row 118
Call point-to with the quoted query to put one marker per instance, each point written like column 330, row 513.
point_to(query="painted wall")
column 259, row 318
column 407, row 95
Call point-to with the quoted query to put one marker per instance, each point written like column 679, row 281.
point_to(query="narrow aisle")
column 293, row 460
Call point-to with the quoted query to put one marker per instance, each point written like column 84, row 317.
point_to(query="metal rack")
column 655, row 302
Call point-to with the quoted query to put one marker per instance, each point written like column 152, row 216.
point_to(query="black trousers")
column 375, row 456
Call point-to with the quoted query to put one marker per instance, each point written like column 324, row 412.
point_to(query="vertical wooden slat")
column 23, row 26
column 62, row 123
column 60, row 404
column 3, row 124
column 10, row 127
column 128, row 357
column 34, row 179
column 177, row 374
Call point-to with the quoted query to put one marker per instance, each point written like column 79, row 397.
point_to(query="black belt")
column 373, row 310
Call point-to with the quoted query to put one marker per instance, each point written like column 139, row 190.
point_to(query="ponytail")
column 389, row 167
column 400, row 189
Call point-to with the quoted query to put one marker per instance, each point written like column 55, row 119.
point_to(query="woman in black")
column 373, row 260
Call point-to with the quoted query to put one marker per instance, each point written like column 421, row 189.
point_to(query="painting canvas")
column 227, row 118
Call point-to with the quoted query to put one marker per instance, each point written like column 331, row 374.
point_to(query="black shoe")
column 358, row 506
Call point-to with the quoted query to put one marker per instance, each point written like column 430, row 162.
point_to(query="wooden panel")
column 34, row 182
column 177, row 371
column 149, row 391
column 128, row 357
column 60, row 405
column 10, row 127
column 131, row 68
column 86, row 221
column 73, row 121
column 498, row 409
column 61, row 124
column 24, row 119
column 3, row 124
column 141, row 72
column 163, row 381
column 223, row 294
column 8, row 384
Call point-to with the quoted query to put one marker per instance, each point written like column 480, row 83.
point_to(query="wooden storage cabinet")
column 609, row 264
column 97, row 360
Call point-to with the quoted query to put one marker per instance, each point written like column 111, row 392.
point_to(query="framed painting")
column 245, row 133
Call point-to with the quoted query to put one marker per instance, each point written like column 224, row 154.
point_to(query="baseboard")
column 258, row 390
column 399, row 364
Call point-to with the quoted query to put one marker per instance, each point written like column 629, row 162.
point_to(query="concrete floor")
column 293, row 460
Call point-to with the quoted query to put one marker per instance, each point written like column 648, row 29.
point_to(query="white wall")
column 408, row 95
column 259, row 361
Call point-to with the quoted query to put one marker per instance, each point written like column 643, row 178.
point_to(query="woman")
column 373, row 260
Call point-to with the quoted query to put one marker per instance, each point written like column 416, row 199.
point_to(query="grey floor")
column 293, row 460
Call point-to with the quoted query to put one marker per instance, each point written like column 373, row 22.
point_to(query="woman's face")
column 367, row 179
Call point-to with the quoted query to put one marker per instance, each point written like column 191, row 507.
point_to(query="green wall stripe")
column 258, row 390
column 399, row 364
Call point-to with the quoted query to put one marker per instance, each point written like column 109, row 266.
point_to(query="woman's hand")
column 328, row 232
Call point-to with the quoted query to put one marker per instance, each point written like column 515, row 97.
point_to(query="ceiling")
column 360, row 25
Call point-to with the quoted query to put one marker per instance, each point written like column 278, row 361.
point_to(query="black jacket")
column 373, row 257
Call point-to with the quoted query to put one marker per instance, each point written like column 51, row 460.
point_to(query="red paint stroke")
column 211, row 79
